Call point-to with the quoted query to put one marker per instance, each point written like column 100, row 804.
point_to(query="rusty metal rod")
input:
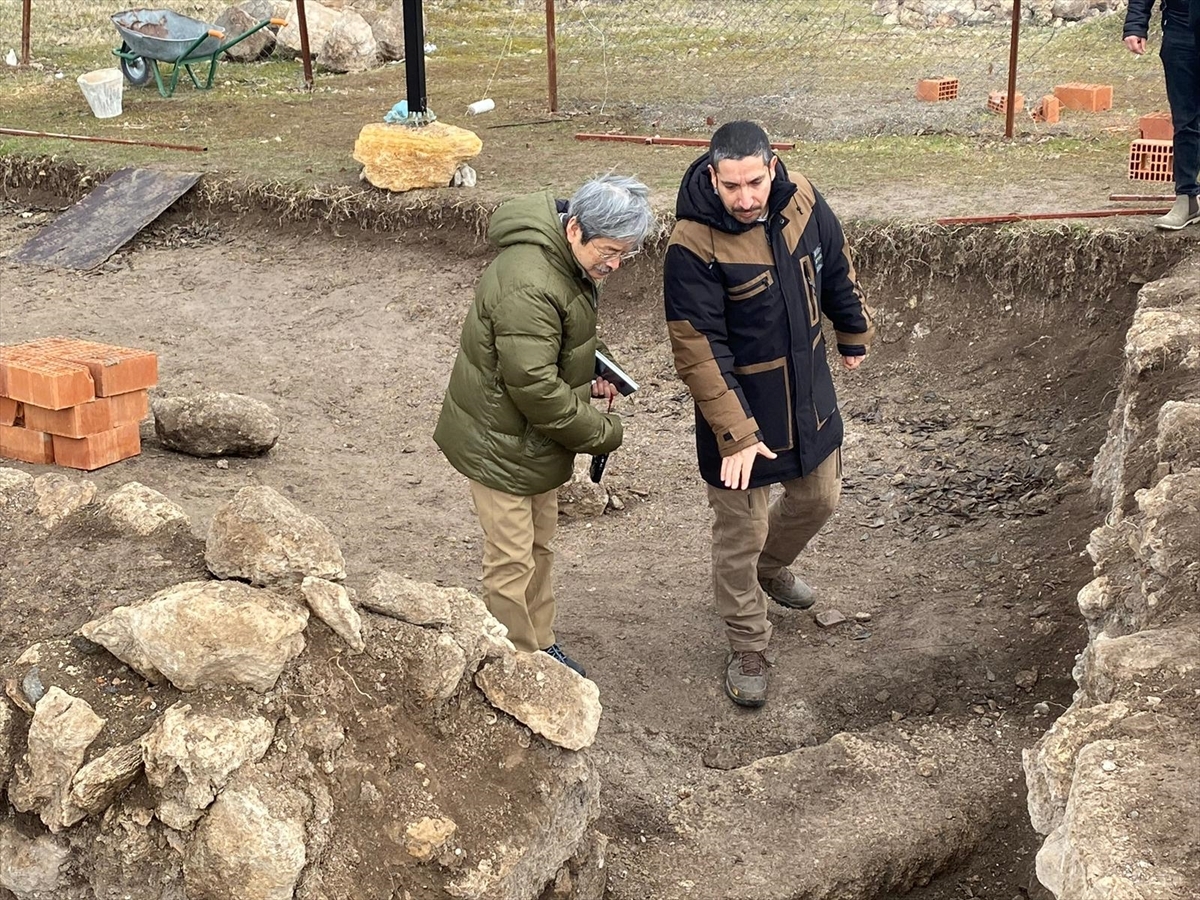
column 26, row 14
column 17, row 132
column 552, row 55
column 1143, row 198
column 1028, row 217
column 655, row 139
column 305, row 55
column 1011, row 105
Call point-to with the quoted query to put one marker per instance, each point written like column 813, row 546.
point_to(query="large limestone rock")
column 1178, row 440
column 249, row 846
column 98, row 783
column 545, row 695
column 141, row 510
column 317, row 17
column 236, row 21
column 415, row 602
column 31, row 868
column 62, row 729
column 1149, row 662
column 261, row 537
column 205, row 633
column 215, row 423
column 387, row 27
column 350, row 45
column 1101, row 850
column 190, row 757
column 1051, row 764
column 434, row 662
column 331, row 603
column 60, row 495
column 401, row 158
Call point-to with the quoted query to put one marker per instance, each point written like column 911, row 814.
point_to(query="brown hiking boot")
column 746, row 677
column 788, row 590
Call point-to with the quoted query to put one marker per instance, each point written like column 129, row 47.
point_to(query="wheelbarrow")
column 153, row 36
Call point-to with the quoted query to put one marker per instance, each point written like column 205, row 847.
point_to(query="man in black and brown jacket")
column 754, row 262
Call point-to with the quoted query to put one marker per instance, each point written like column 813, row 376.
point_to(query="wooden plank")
column 102, row 222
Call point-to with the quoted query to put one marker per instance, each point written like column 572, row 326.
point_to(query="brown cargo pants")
column 517, row 560
column 752, row 537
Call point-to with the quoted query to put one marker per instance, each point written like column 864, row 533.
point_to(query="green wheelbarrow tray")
column 151, row 36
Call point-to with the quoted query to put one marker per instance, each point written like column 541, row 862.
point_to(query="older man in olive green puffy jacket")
column 518, row 407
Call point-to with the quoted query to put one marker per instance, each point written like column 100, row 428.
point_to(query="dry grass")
column 623, row 67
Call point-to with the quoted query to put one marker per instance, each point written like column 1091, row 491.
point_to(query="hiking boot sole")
column 748, row 702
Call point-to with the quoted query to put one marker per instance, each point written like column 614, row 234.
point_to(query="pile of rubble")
column 230, row 720
column 948, row 13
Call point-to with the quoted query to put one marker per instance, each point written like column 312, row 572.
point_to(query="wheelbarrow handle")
column 279, row 23
column 214, row 33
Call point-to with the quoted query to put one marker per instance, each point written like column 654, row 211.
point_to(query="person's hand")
column 852, row 362
column 1136, row 45
column 604, row 389
column 735, row 470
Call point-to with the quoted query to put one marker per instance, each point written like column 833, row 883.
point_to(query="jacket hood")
column 699, row 202
column 533, row 219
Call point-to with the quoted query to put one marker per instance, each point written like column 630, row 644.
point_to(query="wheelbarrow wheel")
column 137, row 70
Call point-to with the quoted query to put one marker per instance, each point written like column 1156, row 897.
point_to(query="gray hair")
column 737, row 140
column 614, row 207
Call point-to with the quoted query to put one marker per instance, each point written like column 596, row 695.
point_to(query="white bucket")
column 102, row 89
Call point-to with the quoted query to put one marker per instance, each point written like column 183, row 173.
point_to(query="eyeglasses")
column 623, row 256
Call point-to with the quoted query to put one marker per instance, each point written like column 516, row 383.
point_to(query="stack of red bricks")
column 72, row 402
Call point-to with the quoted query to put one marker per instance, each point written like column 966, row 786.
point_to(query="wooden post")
column 1010, row 105
column 305, row 54
column 552, row 55
column 414, row 55
column 25, row 27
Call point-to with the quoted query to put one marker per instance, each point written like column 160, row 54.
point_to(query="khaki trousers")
column 517, row 560
column 753, row 538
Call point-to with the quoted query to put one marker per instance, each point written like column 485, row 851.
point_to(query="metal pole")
column 25, row 27
column 305, row 54
column 414, row 55
column 18, row 132
column 552, row 55
column 1010, row 106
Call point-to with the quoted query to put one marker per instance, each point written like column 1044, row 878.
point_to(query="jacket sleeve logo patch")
column 817, row 257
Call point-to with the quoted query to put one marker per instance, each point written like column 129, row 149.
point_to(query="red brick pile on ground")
column 72, row 402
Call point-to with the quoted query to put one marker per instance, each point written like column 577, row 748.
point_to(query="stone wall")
column 948, row 13
column 1115, row 784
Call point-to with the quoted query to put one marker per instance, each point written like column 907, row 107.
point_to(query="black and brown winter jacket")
column 744, row 307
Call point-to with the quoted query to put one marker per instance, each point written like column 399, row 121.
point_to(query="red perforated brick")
column 1152, row 161
column 98, row 450
column 1048, row 110
column 1156, row 126
column 25, row 445
column 100, row 414
column 8, row 410
column 33, row 377
column 116, row 370
column 937, row 89
column 1086, row 97
column 998, row 101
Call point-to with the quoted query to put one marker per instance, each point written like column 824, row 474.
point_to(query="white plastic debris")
column 481, row 106
column 10, row 58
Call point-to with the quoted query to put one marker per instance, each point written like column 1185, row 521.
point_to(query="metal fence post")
column 1010, row 105
column 25, row 27
column 552, row 55
column 414, row 55
column 305, row 54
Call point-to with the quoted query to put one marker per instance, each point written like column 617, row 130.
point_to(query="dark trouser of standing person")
column 1180, row 55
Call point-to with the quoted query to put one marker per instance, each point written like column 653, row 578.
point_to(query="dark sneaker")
column 746, row 677
column 788, row 590
column 556, row 651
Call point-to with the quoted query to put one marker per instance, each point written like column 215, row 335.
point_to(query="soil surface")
column 956, row 553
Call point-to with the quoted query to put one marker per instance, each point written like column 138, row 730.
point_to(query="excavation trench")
column 888, row 757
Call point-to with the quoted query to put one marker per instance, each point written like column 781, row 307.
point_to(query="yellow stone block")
column 401, row 158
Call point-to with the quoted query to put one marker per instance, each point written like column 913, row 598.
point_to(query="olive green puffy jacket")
column 518, row 407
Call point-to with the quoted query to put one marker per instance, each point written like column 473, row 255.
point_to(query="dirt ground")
column 970, row 434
